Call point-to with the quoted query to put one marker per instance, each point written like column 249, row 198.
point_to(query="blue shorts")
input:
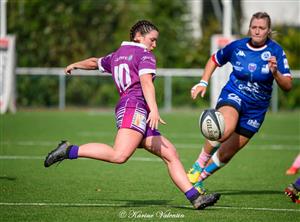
column 251, row 116
column 132, row 113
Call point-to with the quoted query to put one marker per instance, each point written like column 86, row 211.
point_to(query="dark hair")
column 262, row 15
column 142, row 26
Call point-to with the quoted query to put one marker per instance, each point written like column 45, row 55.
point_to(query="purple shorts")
column 132, row 113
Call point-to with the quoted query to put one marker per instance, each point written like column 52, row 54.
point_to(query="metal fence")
column 166, row 73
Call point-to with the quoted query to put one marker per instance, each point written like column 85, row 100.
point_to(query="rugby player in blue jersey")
column 133, row 69
column 256, row 62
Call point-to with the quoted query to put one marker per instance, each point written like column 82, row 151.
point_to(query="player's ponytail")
column 143, row 27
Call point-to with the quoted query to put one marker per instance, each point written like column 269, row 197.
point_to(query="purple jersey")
column 126, row 65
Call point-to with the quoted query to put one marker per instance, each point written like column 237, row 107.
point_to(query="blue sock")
column 211, row 168
column 73, row 152
column 192, row 194
column 297, row 184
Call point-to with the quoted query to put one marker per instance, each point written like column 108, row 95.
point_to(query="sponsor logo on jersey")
column 234, row 97
column 250, row 87
column 238, row 68
column 241, row 53
column 121, row 58
column 254, row 123
column 265, row 69
column 265, row 55
column 148, row 58
column 252, row 67
column 139, row 120
column 130, row 57
column 286, row 64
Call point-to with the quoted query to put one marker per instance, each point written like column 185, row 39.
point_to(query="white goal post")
column 7, row 73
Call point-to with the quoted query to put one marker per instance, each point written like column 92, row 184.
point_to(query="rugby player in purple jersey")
column 133, row 69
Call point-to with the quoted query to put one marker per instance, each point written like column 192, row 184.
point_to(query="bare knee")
column 228, row 132
column 120, row 158
column 225, row 157
column 170, row 155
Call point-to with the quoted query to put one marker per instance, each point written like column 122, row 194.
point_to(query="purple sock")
column 73, row 152
column 297, row 184
column 192, row 194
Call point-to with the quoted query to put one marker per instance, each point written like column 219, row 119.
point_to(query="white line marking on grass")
column 177, row 145
column 138, row 205
column 7, row 157
column 256, row 208
column 261, row 136
column 21, row 157
column 252, row 147
column 29, row 143
column 270, row 137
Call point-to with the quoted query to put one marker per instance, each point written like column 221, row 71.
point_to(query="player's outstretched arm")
column 89, row 64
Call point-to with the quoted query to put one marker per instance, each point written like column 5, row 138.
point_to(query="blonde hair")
column 262, row 15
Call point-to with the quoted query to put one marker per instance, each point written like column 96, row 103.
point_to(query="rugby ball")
column 211, row 123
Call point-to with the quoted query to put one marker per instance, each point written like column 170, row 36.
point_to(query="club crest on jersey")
column 266, row 55
column 252, row 67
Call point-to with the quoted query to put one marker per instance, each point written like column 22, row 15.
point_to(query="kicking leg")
column 161, row 147
column 127, row 140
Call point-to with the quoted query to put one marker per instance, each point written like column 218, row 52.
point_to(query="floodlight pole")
column 3, row 18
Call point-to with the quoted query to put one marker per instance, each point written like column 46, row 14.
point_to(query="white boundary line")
column 8, row 157
column 177, row 145
column 137, row 205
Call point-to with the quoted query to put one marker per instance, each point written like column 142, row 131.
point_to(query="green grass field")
column 251, row 184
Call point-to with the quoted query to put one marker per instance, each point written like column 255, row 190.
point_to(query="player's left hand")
column 154, row 119
column 196, row 89
column 272, row 63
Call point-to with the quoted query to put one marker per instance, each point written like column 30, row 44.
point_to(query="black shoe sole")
column 204, row 205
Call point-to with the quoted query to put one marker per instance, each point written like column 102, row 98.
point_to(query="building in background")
column 282, row 12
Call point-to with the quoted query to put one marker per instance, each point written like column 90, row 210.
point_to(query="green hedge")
column 58, row 32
